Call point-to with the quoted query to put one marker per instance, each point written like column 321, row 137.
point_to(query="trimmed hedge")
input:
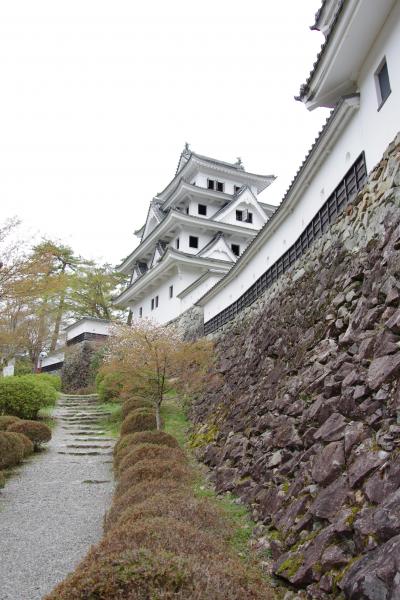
column 37, row 432
column 6, row 421
column 147, row 470
column 12, row 449
column 24, row 396
column 134, row 403
column 28, row 444
column 140, row 419
column 150, row 452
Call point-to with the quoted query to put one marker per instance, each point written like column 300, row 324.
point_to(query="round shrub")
column 37, row 432
column 139, row 493
column 150, row 452
column 140, row 573
column 147, row 470
column 125, row 442
column 28, row 444
column 181, row 505
column 7, row 420
column 140, row 419
column 12, row 449
column 24, row 396
column 134, row 403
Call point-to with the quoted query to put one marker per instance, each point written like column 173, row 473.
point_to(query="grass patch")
column 112, row 423
column 45, row 415
column 176, row 424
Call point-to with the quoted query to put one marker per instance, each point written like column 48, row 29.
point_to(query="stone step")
column 89, row 446
column 86, row 453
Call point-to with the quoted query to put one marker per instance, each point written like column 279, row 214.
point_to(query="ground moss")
column 351, row 518
column 205, row 436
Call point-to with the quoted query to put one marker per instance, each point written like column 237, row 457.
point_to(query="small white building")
column 195, row 230
column 357, row 73
column 85, row 329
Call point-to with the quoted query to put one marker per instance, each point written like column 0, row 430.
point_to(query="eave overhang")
column 195, row 163
column 187, row 189
column 336, row 70
column 171, row 257
column 321, row 148
column 175, row 219
column 199, row 281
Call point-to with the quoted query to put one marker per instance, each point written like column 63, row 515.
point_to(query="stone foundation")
column 303, row 410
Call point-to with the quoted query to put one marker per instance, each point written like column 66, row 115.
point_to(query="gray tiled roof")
column 305, row 87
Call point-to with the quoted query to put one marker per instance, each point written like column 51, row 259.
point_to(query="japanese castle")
column 195, row 231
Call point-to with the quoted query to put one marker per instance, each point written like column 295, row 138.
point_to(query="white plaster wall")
column 88, row 326
column 168, row 308
column 197, row 293
column 369, row 130
column 52, row 359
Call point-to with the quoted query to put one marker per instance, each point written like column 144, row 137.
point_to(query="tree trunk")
column 158, row 416
column 57, row 325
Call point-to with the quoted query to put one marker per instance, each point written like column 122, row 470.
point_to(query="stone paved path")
column 52, row 508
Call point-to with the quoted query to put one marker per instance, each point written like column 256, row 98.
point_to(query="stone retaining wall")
column 301, row 418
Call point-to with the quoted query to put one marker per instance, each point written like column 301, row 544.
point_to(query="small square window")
column 249, row 218
column 239, row 215
column 237, row 188
column 152, row 304
column 202, row 208
column 220, row 186
column 156, row 301
column 141, row 312
column 210, row 184
column 177, row 243
column 235, row 249
column 171, row 291
column 187, row 210
column 193, row 241
column 382, row 83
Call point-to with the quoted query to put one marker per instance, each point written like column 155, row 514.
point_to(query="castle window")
column 382, row 83
column 193, row 241
column 202, row 208
column 236, row 188
column 220, row 186
column 210, row 184
column 141, row 312
column 171, row 291
column 239, row 215
column 152, row 304
column 177, row 243
column 249, row 218
column 156, row 301
column 235, row 249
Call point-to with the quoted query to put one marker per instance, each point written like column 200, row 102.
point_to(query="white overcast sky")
column 98, row 98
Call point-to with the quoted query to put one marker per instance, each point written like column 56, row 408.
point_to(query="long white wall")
column 369, row 130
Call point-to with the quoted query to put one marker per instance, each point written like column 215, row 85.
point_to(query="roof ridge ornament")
column 239, row 163
column 186, row 150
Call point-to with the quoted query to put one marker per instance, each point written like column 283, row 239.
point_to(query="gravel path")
column 52, row 508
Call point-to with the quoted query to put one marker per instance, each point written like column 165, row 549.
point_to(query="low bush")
column 125, row 443
column 109, row 385
column 150, row 452
column 24, row 396
column 53, row 380
column 140, row 573
column 140, row 493
column 140, row 419
column 12, row 449
column 148, row 470
column 37, row 432
column 134, row 403
column 6, row 420
column 2, row 480
column 28, row 444
column 179, row 504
